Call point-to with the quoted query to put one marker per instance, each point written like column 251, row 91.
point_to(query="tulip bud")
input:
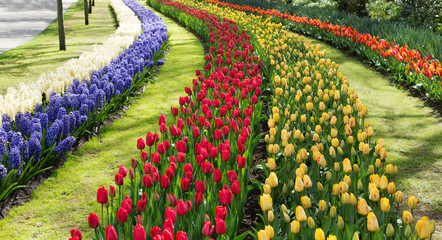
column 370, row 169
column 360, row 186
column 284, row 208
column 328, row 175
column 311, row 222
column 407, row 231
column 333, row 211
column 306, row 203
column 355, row 236
column 345, row 197
column 270, row 216
column 286, row 217
column 319, row 186
column 322, row 205
column 353, row 201
column 284, row 188
column 340, row 223
column 391, row 188
column 157, row 196
column 337, row 167
column 372, row 222
column 398, row 197
column 412, row 202
column 266, row 202
column 389, row 231
column 355, row 168
column 267, row 189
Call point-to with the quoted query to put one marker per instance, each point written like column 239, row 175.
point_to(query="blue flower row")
column 54, row 124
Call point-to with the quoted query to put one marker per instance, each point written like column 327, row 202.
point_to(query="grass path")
column 28, row 61
column 411, row 131
column 65, row 200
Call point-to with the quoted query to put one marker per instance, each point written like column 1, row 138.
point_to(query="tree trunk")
column 61, row 36
column 90, row 6
column 86, row 17
column 93, row 2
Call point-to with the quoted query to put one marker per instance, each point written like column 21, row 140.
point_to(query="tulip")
column 407, row 231
column 165, row 182
column 140, row 144
column 185, row 183
column 181, row 208
column 271, row 164
column 102, row 197
column 299, row 185
column 363, row 207
column 300, row 214
column 220, row 226
column 139, row 233
column 273, row 180
column 385, row 204
column 398, row 197
column 225, row 195
column 154, row 231
column 122, row 215
column 340, row 223
column 306, row 202
column 424, row 228
column 407, row 217
column 270, row 216
column 181, row 235
column 266, row 202
column 119, row 179
column 217, row 176
column 412, row 202
column 76, row 234
column 331, row 237
column 372, row 222
column 112, row 191
column 232, row 176
column 167, row 234
column 355, row 236
column 389, row 231
column 198, row 198
column 240, row 161
column 311, row 222
column 347, row 165
column 111, row 234
column 207, row 229
column 141, row 205
column 294, row 226
column 263, row 235
column 270, row 231
column 199, row 186
column 93, row 220
column 236, row 188
column 319, row 234
column 332, row 211
column 221, row 212
column 322, row 205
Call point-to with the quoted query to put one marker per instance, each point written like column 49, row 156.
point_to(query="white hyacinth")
column 28, row 95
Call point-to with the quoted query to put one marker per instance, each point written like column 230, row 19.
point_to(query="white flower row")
column 26, row 96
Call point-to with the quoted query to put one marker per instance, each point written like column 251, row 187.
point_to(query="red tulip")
column 154, row 231
column 170, row 172
column 225, row 195
column 180, row 123
column 213, row 152
column 156, row 137
column 198, row 198
column 168, row 224
column 112, row 191
column 150, row 139
column 221, row 212
column 133, row 163
column 122, row 215
column 181, row 235
column 217, row 175
column 102, row 195
column 144, row 197
column 207, row 229
column 189, row 205
column 167, row 234
column 111, row 234
column 181, row 208
column 185, row 183
column 189, row 175
column 147, row 181
column 220, row 226
column 156, row 157
column 163, row 128
column 127, row 204
column 144, row 156
column 231, row 175
column 93, row 220
column 158, row 237
column 139, row 233
column 171, row 200
column 141, row 205
column 161, row 148
column 75, row 233
column 162, row 119
column 236, row 188
column 174, row 111
column 181, row 147
column 155, row 177
column 199, row 186
column 140, row 144
column 119, row 179
column 207, row 167
column 139, row 219
column 131, row 173
column 165, row 182
column 241, row 161
column 226, row 131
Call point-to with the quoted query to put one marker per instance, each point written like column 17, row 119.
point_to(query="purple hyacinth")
column 64, row 145
column 3, row 172
column 15, row 157
column 52, row 133
column 3, row 146
column 16, row 140
column 6, row 122
column 25, row 125
column 34, row 148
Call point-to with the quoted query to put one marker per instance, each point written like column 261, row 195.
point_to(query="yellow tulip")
column 374, row 194
column 423, row 228
column 311, row 222
column 412, row 202
column 286, row 217
column 294, row 226
column 271, row 164
column 353, row 201
column 300, row 214
column 345, row 197
column 378, row 163
column 391, row 188
column 389, row 231
column 343, row 187
column 389, row 169
column 322, row 205
column 319, row 186
column 319, row 234
column 363, row 207
column 347, row 165
column 307, row 181
column 284, row 208
column 266, row 202
column 299, row 185
column 306, row 203
column 372, row 222
column 355, row 236
column 270, row 216
column 385, row 204
column 332, row 211
column 374, row 178
column 270, row 231
column 384, row 182
column 398, row 197
column 273, row 180
column 331, row 237
column 407, row 217
column 336, row 190
column 267, row 189
column 263, row 235
column 340, row 223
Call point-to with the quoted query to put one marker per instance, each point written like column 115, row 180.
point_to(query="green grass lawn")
column 65, row 200
column 412, row 132
column 40, row 55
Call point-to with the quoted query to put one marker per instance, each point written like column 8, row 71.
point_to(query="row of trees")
column 61, row 34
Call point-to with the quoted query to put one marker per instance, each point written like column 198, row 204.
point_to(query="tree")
column 61, row 36
column 357, row 7
column 86, row 17
column 90, row 6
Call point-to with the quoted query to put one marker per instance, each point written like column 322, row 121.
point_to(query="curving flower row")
column 190, row 180
column 406, row 65
column 325, row 175
column 32, row 142
column 27, row 96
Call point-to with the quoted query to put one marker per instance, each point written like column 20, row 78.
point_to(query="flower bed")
column 34, row 141
column 404, row 64
column 326, row 176
column 27, row 96
column 191, row 180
